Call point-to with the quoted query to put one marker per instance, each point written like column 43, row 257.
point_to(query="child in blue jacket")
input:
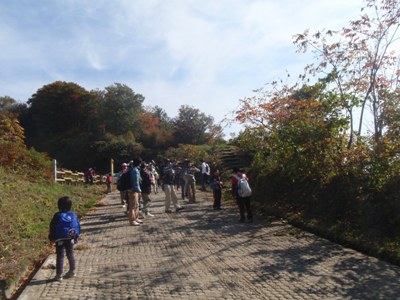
column 64, row 231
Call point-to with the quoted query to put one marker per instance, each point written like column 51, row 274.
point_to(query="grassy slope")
column 26, row 208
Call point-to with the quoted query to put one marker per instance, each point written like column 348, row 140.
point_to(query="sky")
column 204, row 53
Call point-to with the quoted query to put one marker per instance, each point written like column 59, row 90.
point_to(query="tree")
column 153, row 133
column 121, row 108
column 192, row 126
column 56, row 108
column 361, row 60
column 6, row 102
column 58, row 121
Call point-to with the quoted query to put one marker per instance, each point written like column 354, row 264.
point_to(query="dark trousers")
column 244, row 206
column 217, row 198
column 204, row 181
column 69, row 249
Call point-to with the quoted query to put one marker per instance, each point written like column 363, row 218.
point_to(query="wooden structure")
column 67, row 176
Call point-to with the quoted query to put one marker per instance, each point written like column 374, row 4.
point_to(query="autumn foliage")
column 327, row 147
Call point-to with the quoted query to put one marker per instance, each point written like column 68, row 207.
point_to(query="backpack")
column 244, row 189
column 207, row 168
column 125, row 182
column 67, row 226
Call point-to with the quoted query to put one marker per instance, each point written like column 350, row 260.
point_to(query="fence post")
column 55, row 170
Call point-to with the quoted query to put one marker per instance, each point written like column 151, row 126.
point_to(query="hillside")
column 26, row 208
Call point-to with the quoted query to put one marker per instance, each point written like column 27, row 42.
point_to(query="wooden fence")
column 67, row 176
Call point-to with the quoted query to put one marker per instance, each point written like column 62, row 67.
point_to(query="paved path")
column 199, row 253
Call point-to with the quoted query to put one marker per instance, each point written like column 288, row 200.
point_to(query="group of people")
column 174, row 176
column 136, row 181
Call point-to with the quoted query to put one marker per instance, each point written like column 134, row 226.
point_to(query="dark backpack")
column 67, row 226
column 125, row 182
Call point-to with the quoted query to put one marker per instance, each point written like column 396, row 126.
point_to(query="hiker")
column 109, row 181
column 145, row 186
column 190, row 181
column 123, row 194
column 154, row 177
column 64, row 231
column 239, row 183
column 205, row 174
column 216, row 186
column 168, row 186
column 134, row 192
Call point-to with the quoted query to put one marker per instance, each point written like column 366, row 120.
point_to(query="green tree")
column 121, row 108
column 192, row 126
column 58, row 122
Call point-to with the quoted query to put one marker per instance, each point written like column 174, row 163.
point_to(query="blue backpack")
column 67, row 227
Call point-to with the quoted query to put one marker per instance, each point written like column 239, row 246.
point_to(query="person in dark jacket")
column 216, row 186
column 63, row 245
column 169, row 190
column 145, row 186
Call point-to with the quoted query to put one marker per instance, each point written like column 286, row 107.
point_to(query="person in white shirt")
column 205, row 174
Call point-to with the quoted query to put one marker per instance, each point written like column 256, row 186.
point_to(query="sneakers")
column 139, row 221
column 70, row 274
column 149, row 215
column 168, row 211
column 134, row 223
column 179, row 208
column 123, row 205
column 58, row 278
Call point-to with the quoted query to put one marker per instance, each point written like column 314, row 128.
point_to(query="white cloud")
column 207, row 54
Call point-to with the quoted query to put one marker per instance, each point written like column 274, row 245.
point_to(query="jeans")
column 68, row 245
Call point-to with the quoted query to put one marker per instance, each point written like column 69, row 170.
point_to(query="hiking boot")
column 70, row 274
column 58, row 278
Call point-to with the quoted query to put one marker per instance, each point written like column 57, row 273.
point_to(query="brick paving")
column 199, row 253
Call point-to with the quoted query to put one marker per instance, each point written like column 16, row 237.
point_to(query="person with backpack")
column 145, row 186
column 64, row 232
column 168, row 187
column 132, row 186
column 242, row 192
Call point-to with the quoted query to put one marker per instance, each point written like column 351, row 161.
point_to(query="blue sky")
column 203, row 53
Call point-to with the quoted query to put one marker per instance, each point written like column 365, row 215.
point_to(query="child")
column 64, row 231
column 109, row 181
